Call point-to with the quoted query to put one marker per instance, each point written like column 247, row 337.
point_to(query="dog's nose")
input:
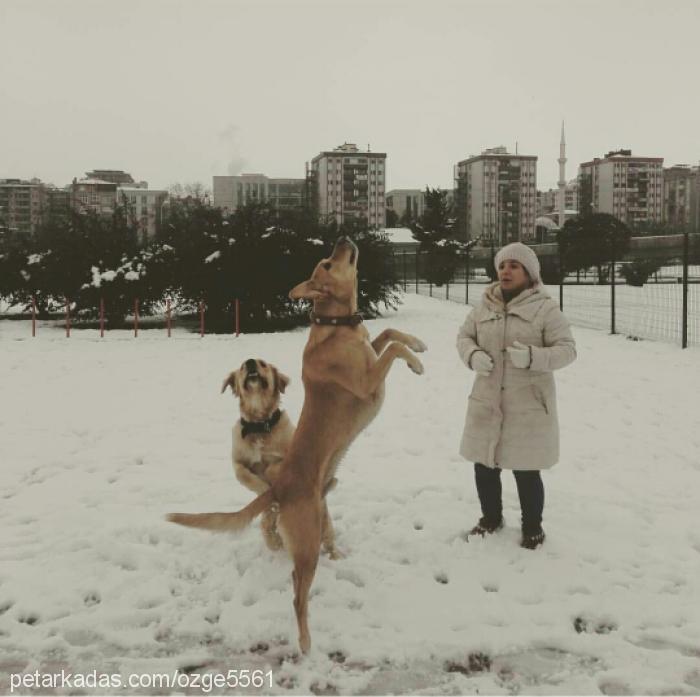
column 343, row 243
column 251, row 364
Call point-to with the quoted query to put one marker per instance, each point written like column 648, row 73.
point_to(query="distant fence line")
column 665, row 308
column 137, row 320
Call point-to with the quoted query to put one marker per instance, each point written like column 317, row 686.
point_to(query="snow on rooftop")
column 400, row 235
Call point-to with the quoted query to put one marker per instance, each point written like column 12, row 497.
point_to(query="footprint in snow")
column 351, row 576
column 92, row 599
column 30, row 619
column 615, row 687
column 417, row 525
column 337, row 656
column 441, row 577
column 476, row 662
column 589, row 626
column 5, row 607
column 490, row 587
column 323, row 688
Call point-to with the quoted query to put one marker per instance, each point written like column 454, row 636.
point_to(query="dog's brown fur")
column 343, row 374
column 257, row 456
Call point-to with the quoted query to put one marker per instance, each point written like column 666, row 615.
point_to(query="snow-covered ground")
column 100, row 438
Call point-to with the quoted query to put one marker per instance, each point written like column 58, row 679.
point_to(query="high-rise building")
column 630, row 188
column 22, row 203
column 144, row 208
column 678, row 185
column 347, row 183
column 695, row 200
column 496, row 197
column 26, row 204
column 94, row 195
column 231, row 192
column 406, row 203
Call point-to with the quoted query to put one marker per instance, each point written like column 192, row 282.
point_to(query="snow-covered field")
column 100, row 438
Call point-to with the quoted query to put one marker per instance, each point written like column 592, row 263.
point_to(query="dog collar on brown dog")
column 248, row 427
column 346, row 321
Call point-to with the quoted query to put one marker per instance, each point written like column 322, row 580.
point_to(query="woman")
column 513, row 340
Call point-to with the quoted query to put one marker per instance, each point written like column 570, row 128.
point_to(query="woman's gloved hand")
column 481, row 362
column 520, row 355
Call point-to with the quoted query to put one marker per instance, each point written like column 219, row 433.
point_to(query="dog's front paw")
column 417, row 345
column 416, row 366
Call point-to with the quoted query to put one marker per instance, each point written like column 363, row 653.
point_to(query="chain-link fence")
column 652, row 298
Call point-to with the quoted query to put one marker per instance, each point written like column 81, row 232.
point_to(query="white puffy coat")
column 512, row 413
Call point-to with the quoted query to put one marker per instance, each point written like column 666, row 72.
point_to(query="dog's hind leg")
column 303, row 575
column 301, row 529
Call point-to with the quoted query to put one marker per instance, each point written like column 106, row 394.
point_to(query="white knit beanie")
column 517, row 251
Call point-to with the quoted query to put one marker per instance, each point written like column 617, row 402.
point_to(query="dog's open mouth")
column 255, row 378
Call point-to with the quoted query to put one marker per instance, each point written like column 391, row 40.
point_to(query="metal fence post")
column 686, row 258
column 417, row 264
column 612, row 293
column 561, row 281
column 466, row 280
column 404, row 271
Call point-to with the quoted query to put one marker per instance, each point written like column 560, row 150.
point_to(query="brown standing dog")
column 343, row 374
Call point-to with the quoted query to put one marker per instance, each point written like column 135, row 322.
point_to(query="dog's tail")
column 225, row 522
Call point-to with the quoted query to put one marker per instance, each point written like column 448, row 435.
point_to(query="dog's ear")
column 281, row 381
column 232, row 381
column 305, row 291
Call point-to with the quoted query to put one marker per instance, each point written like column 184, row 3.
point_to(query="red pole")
column 67, row 318
column 102, row 318
column 136, row 317
column 201, row 319
column 33, row 316
column 168, row 317
column 238, row 321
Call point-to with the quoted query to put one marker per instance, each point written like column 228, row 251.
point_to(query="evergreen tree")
column 593, row 241
column 15, row 251
column 392, row 218
column 437, row 234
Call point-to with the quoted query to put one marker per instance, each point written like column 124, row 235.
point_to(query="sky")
column 180, row 91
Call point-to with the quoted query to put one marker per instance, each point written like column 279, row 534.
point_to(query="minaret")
column 562, row 177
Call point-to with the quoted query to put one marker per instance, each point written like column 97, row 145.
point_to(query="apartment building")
column 406, row 203
column 347, row 183
column 231, row 192
column 22, row 203
column 144, row 208
column 678, row 183
column 26, row 204
column 94, row 195
column 628, row 187
column 496, row 197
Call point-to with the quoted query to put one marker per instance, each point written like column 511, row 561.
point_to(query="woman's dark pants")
column 530, row 492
